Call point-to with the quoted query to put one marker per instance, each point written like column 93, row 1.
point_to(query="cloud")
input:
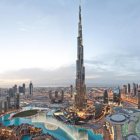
column 64, row 76
column 92, row 76
column 23, row 26
column 23, row 29
column 13, row 81
column 62, row 2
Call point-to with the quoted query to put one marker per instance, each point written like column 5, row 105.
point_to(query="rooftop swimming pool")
column 64, row 132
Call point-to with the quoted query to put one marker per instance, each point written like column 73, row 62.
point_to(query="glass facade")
column 116, row 95
column 105, row 97
column 17, row 101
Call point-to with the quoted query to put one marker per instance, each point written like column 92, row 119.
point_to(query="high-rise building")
column 128, row 87
column 50, row 94
column 20, row 89
column 105, row 97
column 24, row 89
column 15, row 89
column 125, row 89
column 0, row 91
column 56, row 94
column 117, row 95
column 8, row 101
column 5, row 106
column 11, row 92
column 139, row 98
column 71, row 91
column 80, row 97
column 0, row 106
column 17, row 100
column 62, row 95
column 134, row 89
column 30, row 88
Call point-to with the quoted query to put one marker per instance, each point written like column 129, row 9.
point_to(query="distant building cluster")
column 116, row 96
column 9, row 100
column 55, row 98
column 128, row 90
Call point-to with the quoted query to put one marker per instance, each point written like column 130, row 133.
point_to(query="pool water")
column 61, row 133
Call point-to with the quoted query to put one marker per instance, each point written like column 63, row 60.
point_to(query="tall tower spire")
column 80, row 101
column 80, row 12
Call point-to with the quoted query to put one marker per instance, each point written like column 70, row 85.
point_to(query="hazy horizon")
column 66, row 85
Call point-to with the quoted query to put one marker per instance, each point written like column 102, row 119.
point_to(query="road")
column 130, row 104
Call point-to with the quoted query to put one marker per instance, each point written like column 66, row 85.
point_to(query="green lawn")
column 26, row 113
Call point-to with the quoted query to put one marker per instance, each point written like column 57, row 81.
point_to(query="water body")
column 62, row 131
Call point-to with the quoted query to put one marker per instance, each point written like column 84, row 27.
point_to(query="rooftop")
column 117, row 118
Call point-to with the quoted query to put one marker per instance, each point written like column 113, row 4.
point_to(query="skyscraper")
column 134, row 89
column 80, row 101
column 8, row 101
column 0, row 106
column 11, row 92
column 105, row 97
column 30, row 88
column 24, row 89
column 125, row 89
column 62, row 95
column 17, row 100
column 20, row 89
column 50, row 94
column 14, row 90
column 138, row 98
column 117, row 95
column 71, row 91
column 5, row 106
column 56, row 94
column 128, row 87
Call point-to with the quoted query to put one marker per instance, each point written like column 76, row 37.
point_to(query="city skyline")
column 38, row 42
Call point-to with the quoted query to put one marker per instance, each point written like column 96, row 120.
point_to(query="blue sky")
column 38, row 41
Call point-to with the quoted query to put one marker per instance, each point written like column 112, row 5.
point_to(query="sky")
column 38, row 42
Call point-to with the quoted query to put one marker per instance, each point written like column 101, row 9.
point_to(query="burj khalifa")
column 80, row 97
